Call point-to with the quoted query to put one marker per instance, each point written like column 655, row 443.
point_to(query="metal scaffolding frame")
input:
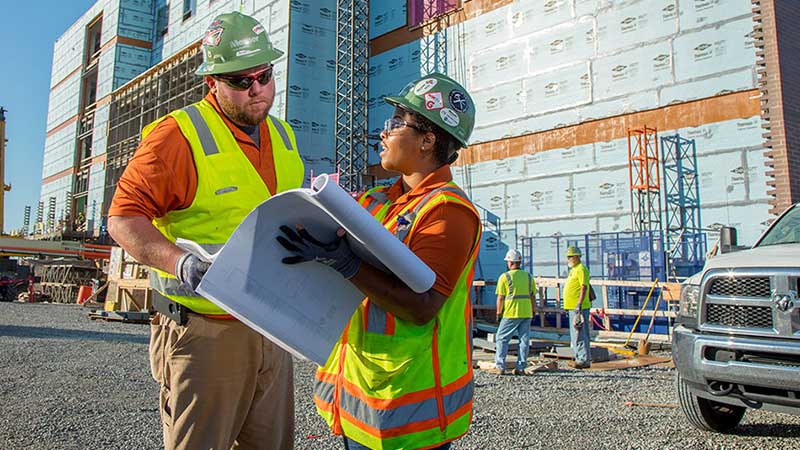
column 644, row 177
column 352, row 93
column 685, row 242
column 433, row 45
column 168, row 86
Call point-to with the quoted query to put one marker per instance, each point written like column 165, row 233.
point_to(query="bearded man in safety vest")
column 196, row 175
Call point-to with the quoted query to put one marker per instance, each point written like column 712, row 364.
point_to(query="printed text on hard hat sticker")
column 424, row 86
column 449, row 117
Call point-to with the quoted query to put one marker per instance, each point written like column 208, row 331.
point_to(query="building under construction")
column 646, row 121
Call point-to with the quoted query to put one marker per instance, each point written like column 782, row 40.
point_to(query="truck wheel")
column 707, row 415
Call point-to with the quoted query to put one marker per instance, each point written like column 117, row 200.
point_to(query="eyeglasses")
column 244, row 82
column 394, row 123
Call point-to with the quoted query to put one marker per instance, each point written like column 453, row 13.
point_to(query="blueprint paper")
column 303, row 307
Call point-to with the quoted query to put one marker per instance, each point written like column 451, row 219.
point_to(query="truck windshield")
column 786, row 231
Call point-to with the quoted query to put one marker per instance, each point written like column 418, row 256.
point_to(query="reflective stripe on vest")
column 398, row 416
column 376, row 201
column 395, row 400
column 228, row 189
column 510, row 281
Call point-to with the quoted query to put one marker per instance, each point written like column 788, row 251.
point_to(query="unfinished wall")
column 585, row 188
column 310, row 95
column 386, row 16
column 62, row 112
column 535, row 66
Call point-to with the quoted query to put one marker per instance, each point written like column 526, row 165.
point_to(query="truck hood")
column 782, row 255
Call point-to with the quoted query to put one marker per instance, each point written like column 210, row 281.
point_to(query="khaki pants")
column 222, row 385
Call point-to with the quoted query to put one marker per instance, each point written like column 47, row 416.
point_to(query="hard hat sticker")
column 424, row 86
column 258, row 29
column 433, row 101
column 458, row 101
column 213, row 36
column 449, row 117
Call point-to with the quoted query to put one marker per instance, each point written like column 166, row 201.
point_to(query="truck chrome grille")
column 739, row 316
column 741, row 287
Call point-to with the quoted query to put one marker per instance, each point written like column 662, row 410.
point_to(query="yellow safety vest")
column 391, row 384
column 228, row 189
column 578, row 276
column 519, row 287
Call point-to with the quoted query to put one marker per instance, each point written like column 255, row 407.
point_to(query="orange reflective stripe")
column 411, row 397
column 414, row 427
column 337, row 423
column 326, row 377
column 323, row 405
column 389, row 324
column 437, row 376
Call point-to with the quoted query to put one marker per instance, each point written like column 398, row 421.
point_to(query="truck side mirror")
column 728, row 240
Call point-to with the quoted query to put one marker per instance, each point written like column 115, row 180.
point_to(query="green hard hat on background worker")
column 573, row 251
column 235, row 42
column 441, row 100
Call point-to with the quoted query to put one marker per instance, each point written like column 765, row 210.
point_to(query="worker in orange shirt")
column 197, row 174
column 401, row 374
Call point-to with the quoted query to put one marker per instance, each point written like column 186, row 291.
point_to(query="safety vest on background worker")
column 228, row 189
column 385, row 372
column 518, row 286
column 578, row 276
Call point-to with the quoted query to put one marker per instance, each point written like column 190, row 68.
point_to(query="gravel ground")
column 67, row 382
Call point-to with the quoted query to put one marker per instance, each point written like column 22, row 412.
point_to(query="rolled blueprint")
column 361, row 226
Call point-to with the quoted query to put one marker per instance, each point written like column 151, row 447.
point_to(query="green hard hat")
column 441, row 100
column 573, row 251
column 235, row 42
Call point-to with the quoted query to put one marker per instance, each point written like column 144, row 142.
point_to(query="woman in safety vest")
column 400, row 376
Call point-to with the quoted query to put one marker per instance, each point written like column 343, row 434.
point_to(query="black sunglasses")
column 244, row 82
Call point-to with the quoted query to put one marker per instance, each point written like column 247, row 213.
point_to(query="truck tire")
column 705, row 414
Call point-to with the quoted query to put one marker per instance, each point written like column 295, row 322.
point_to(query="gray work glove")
column 577, row 322
column 335, row 254
column 190, row 270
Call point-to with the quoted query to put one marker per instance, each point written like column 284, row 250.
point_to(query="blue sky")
column 27, row 53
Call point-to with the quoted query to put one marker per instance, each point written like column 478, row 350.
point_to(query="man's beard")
column 239, row 115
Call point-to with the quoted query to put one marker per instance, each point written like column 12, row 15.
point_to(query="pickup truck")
column 737, row 343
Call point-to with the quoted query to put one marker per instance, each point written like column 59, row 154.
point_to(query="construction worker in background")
column 576, row 301
column 196, row 175
column 401, row 374
column 516, row 295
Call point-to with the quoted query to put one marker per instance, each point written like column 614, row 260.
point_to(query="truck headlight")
column 690, row 300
